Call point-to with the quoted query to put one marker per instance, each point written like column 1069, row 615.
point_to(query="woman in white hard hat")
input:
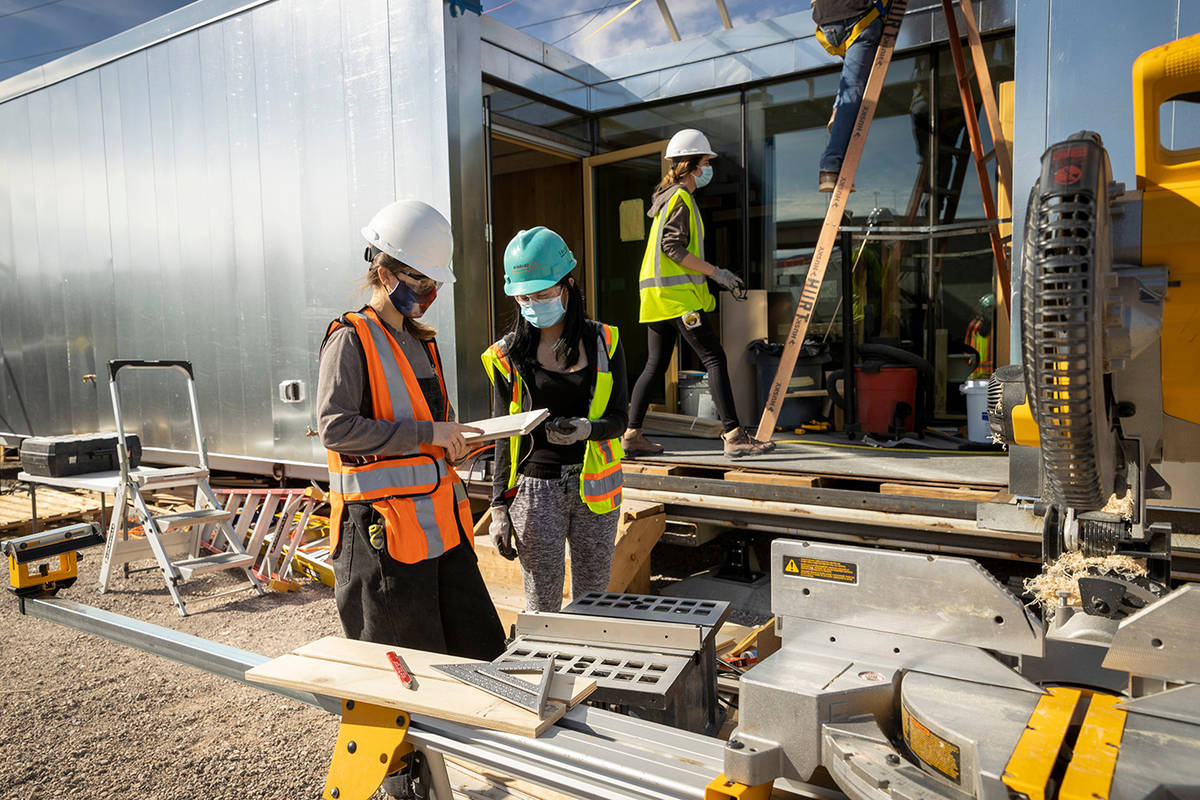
column 560, row 486
column 673, row 287
column 400, row 525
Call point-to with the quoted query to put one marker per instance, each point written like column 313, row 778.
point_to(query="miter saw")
column 920, row 676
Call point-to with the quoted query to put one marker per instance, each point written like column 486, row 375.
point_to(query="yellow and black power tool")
column 1110, row 327
column 42, row 563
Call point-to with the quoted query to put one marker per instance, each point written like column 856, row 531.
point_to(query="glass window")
column 960, row 339
column 785, row 136
column 720, row 118
column 534, row 112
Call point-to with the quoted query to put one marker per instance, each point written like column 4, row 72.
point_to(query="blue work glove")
column 568, row 430
column 501, row 533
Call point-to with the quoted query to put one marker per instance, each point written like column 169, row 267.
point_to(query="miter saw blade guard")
column 1065, row 265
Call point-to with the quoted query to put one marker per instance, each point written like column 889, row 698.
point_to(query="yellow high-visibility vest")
column 602, row 480
column 667, row 288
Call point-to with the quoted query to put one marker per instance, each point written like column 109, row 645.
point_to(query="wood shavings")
column 1064, row 573
column 1122, row 506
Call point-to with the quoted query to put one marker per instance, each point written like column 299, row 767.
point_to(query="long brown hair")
column 419, row 330
column 679, row 170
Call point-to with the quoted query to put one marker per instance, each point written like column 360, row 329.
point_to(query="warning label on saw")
column 935, row 752
column 821, row 569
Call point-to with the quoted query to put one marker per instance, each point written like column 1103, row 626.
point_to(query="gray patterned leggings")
column 548, row 514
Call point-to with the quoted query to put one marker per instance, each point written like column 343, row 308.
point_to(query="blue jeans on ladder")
column 856, row 68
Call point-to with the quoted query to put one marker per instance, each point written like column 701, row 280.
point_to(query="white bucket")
column 977, row 419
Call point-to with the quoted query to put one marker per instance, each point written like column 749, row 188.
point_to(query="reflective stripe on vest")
column 601, row 481
column 668, row 289
column 419, row 496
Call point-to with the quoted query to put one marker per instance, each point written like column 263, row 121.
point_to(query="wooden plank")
column 683, row 425
column 940, row 492
column 648, row 468
column 640, row 509
column 635, row 540
column 570, row 689
column 443, row 699
column 327, row 667
column 771, row 478
column 833, row 221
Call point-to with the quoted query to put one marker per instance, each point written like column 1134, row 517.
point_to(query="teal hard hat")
column 534, row 260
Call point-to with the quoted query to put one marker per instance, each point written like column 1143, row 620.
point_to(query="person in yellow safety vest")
column 561, row 485
column 400, row 524
column 673, row 288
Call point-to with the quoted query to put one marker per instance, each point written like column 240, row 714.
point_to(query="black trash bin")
column 807, row 374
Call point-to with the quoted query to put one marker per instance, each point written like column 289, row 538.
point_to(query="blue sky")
column 572, row 25
column 33, row 32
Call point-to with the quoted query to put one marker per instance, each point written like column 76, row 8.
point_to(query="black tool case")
column 76, row 454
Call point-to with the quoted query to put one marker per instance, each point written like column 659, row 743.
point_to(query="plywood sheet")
column 354, row 670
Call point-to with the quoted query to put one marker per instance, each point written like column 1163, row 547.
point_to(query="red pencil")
column 401, row 668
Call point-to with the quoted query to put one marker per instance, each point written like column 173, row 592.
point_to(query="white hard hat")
column 415, row 233
column 689, row 142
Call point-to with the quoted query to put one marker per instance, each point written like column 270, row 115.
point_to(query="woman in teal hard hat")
column 561, row 485
column 673, row 287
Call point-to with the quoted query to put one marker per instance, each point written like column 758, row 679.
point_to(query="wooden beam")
column 985, row 184
column 984, row 76
column 666, row 14
column 833, row 221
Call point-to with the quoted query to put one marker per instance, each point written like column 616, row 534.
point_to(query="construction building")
column 193, row 189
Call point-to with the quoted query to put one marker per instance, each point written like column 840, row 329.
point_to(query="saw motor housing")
column 1110, row 319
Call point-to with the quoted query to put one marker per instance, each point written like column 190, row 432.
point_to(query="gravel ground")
column 87, row 718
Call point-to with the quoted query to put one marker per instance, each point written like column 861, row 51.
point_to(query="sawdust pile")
column 1064, row 573
column 1122, row 506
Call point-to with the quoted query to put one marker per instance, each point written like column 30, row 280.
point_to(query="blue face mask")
column 545, row 313
column 705, row 176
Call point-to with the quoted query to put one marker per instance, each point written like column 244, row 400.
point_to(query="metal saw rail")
column 590, row 753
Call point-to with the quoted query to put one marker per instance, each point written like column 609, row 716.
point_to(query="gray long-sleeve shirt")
column 676, row 232
column 343, row 402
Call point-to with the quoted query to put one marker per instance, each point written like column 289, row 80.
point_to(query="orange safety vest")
column 420, row 497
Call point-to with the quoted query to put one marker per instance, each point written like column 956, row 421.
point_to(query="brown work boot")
column 635, row 444
column 827, row 182
column 738, row 443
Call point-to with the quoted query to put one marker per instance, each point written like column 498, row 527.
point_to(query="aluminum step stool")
column 173, row 539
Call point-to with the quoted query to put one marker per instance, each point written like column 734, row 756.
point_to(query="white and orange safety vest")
column 601, row 482
column 420, row 497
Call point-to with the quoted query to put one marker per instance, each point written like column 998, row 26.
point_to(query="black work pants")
column 661, row 338
column 440, row 604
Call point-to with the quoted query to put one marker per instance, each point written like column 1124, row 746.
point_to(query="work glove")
column 501, row 532
column 727, row 279
column 567, row 430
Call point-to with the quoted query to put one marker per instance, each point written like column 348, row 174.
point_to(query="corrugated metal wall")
column 201, row 199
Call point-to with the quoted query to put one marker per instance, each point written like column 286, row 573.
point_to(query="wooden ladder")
column 854, row 150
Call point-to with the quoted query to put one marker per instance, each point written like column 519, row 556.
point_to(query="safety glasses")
column 553, row 293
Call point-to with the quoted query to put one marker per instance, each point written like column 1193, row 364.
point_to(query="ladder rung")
column 185, row 519
column 215, row 563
